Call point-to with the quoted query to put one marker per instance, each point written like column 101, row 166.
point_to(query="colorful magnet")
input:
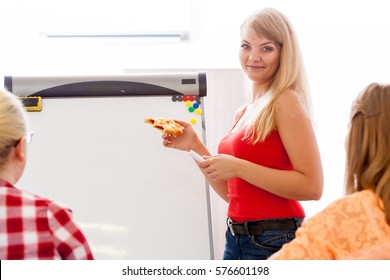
column 198, row 111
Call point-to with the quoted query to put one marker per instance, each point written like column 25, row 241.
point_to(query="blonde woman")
column 270, row 159
column 358, row 225
column 31, row 227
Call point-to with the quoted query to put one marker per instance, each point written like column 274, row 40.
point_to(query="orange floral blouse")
column 346, row 228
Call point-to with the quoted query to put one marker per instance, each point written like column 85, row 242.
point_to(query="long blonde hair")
column 13, row 123
column 368, row 144
column 275, row 26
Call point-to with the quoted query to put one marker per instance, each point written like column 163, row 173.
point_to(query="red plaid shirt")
column 32, row 227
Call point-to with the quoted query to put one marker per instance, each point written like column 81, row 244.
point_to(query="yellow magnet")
column 198, row 111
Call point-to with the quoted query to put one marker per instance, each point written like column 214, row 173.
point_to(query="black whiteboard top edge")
column 91, row 86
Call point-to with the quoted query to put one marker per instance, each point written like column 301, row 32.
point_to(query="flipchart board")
column 93, row 152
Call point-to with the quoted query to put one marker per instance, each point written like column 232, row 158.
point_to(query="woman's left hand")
column 219, row 167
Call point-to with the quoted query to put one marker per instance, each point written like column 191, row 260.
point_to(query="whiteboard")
column 133, row 198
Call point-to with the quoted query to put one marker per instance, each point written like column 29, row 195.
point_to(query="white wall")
column 345, row 44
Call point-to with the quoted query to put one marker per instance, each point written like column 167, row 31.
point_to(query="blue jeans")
column 257, row 247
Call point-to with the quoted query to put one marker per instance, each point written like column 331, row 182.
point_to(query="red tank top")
column 246, row 201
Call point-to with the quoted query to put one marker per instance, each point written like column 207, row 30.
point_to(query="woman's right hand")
column 184, row 141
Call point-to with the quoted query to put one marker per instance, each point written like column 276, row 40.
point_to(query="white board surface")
column 133, row 198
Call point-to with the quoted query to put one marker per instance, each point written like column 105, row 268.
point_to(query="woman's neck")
column 259, row 90
column 9, row 173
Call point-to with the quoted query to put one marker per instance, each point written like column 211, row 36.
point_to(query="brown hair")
column 368, row 144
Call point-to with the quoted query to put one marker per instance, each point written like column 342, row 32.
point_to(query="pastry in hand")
column 166, row 125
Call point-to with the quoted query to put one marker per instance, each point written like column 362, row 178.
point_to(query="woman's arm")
column 68, row 238
column 305, row 182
